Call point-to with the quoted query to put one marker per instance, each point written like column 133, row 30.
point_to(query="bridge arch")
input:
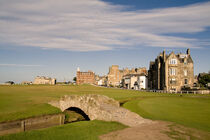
column 78, row 111
column 99, row 107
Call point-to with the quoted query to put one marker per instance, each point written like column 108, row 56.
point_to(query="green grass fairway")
column 189, row 111
column 86, row 130
column 19, row 102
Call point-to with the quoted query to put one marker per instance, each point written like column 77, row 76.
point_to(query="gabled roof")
column 172, row 53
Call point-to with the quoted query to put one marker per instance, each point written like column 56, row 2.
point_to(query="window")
column 173, row 88
column 173, row 81
column 172, row 71
column 185, row 62
column 185, row 72
column 185, row 81
column 173, row 61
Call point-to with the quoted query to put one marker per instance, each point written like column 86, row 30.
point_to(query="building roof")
column 130, row 75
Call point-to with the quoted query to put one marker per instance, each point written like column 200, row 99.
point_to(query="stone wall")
column 31, row 124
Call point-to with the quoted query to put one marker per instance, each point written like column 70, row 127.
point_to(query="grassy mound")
column 85, row 130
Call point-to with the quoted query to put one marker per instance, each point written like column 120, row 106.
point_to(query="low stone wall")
column 31, row 124
column 202, row 91
column 11, row 127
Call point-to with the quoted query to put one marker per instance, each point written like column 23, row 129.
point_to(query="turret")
column 78, row 69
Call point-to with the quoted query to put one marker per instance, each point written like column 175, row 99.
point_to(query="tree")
column 204, row 80
column 75, row 79
column 10, row 82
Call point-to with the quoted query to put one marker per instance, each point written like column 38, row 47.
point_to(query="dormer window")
column 173, row 61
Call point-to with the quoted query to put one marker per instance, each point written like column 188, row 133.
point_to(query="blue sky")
column 53, row 38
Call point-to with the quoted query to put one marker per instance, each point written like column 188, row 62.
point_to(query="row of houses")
column 169, row 72
column 135, row 78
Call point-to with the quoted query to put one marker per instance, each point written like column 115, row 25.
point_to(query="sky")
column 52, row 38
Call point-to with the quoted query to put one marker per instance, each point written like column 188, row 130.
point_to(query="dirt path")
column 152, row 131
column 158, row 130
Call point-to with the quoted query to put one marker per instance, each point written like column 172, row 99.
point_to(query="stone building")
column 115, row 75
column 40, row 80
column 85, row 77
column 171, row 72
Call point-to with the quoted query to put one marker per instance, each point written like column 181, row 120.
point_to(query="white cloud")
column 93, row 25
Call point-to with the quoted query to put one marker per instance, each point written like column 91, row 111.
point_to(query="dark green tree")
column 75, row 79
column 204, row 80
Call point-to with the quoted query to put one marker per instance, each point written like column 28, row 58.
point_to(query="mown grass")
column 85, row 130
column 188, row 111
column 19, row 102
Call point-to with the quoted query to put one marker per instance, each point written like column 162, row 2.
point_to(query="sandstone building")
column 44, row 80
column 115, row 75
column 171, row 72
column 85, row 77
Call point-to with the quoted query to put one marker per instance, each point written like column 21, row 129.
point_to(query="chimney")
column 188, row 51
column 164, row 55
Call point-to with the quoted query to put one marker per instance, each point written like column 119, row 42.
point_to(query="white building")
column 142, row 82
column 100, row 82
column 135, row 81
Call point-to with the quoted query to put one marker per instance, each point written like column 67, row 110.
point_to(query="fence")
column 182, row 92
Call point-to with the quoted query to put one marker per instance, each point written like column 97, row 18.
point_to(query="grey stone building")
column 171, row 72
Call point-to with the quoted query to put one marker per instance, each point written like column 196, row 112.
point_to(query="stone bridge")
column 99, row 107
